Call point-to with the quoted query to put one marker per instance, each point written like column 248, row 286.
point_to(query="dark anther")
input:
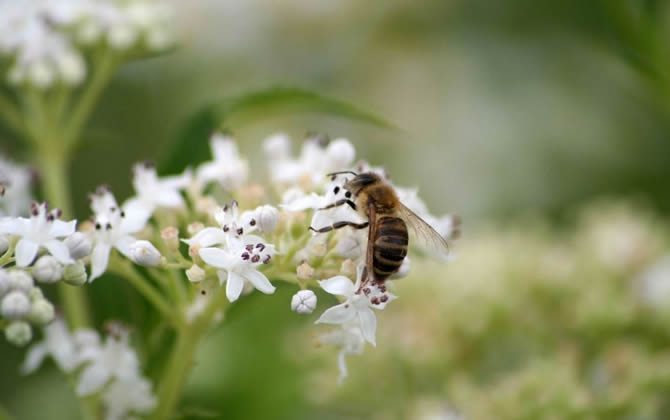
column 59, row 213
column 333, row 177
column 35, row 212
column 203, row 292
column 50, row 217
column 336, row 190
column 98, row 226
column 366, row 291
column 267, row 259
column 112, row 209
column 108, row 226
column 148, row 164
column 250, row 247
column 255, row 258
column 374, row 301
column 123, row 213
column 384, row 298
column 346, row 305
column 240, row 231
column 252, row 222
column 235, row 203
column 225, row 208
column 347, row 194
column 245, row 256
column 382, row 289
column 260, row 246
column 226, row 228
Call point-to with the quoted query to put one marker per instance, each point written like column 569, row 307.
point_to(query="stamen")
column 108, row 226
column 336, row 190
column 250, row 247
column 226, row 228
column 240, row 231
column 374, row 301
column 252, row 222
column 255, row 258
column 267, row 259
column 98, row 226
column 260, row 246
column 384, row 298
column 347, row 194
column 245, row 256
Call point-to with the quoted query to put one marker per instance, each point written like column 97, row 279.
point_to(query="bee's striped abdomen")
column 390, row 246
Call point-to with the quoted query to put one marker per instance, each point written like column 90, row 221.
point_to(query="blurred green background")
column 521, row 116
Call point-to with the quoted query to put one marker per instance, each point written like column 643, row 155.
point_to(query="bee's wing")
column 427, row 237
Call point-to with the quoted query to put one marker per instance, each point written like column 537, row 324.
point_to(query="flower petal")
column 14, row 226
column 34, row 358
column 59, row 250
column 26, row 251
column 338, row 285
column 338, row 314
column 259, row 281
column 124, row 243
column 169, row 198
column 311, row 201
column 92, row 379
column 208, row 237
column 60, row 228
column 216, row 257
column 368, row 324
column 99, row 259
column 234, row 286
column 137, row 213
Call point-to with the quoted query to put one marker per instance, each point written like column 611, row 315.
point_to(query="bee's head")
column 361, row 181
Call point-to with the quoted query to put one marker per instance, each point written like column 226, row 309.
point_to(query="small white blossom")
column 267, row 217
column 113, row 229
column 63, row 347
column 42, row 230
column 79, row 244
column 145, row 253
column 47, row 269
column 232, row 224
column 18, row 333
column 227, row 168
column 16, row 180
column 154, row 192
column 15, row 305
column 128, row 395
column 349, row 339
column 303, row 302
column 238, row 264
column 360, row 299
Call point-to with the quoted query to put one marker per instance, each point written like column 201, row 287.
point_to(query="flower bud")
column 35, row 294
column 47, row 269
column 71, row 67
column 303, row 302
column 4, row 243
column 42, row 312
column 4, row 282
column 305, row 271
column 15, row 305
column 20, row 280
column 267, row 217
column 79, row 245
column 145, row 253
column 18, row 333
column 341, row 153
column 277, row 147
column 194, row 228
column 170, row 235
column 75, row 274
column 195, row 274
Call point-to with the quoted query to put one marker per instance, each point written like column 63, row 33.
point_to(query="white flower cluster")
column 15, row 195
column 109, row 368
column 45, row 41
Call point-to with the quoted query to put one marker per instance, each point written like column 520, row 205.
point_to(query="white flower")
column 360, row 299
column 318, row 157
column 239, row 260
column 128, row 395
column 47, row 269
column 232, row 224
column 79, row 245
column 15, row 305
column 267, row 217
column 227, row 168
column 40, row 231
column 113, row 228
column 303, row 302
column 154, row 192
column 114, row 359
column 16, row 180
column 145, row 253
column 349, row 339
column 58, row 344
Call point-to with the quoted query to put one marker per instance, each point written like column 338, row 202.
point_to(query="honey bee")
column 388, row 221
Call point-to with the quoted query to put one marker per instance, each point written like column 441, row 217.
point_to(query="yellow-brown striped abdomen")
column 390, row 246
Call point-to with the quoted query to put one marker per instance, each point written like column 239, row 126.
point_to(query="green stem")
column 123, row 268
column 181, row 360
column 57, row 190
column 11, row 115
column 4, row 414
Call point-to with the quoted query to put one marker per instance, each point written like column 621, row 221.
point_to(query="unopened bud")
column 4, row 243
column 145, row 253
column 42, row 312
column 194, row 228
column 170, row 235
column 20, row 280
column 15, row 305
column 18, row 333
column 4, row 282
column 75, row 274
column 47, row 269
column 267, row 217
column 79, row 245
column 305, row 271
column 195, row 274
column 35, row 294
column 303, row 302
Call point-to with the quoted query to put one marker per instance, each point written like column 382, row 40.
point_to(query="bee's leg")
column 339, row 225
column 340, row 203
column 372, row 236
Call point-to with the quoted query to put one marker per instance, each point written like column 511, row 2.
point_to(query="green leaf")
column 191, row 145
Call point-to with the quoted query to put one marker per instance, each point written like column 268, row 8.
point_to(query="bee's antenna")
column 342, row 172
